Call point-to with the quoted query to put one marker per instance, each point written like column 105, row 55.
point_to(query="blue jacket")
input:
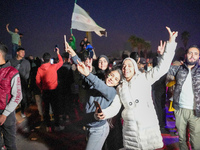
column 99, row 92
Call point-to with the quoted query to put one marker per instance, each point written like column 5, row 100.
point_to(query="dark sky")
column 44, row 22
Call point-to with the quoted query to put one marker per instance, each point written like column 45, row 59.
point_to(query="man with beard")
column 186, row 100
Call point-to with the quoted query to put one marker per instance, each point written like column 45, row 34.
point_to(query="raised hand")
column 7, row 27
column 172, row 34
column 69, row 49
column 82, row 68
column 57, row 50
column 161, row 48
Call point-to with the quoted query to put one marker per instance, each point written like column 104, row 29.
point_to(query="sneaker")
column 23, row 115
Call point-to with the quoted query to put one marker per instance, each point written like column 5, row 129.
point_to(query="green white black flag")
column 83, row 22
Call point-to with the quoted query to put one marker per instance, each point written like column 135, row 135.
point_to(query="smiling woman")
column 99, row 91
column 140, row 127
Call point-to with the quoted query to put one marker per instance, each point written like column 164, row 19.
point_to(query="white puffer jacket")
column 141, row 128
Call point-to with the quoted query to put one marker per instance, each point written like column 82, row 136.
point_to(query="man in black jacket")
column 186, row 99
column 23, row 66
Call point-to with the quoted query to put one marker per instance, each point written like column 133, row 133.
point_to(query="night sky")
column 44, row 22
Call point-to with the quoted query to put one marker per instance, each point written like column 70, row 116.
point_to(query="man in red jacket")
column 10, row 97
column 47, row 81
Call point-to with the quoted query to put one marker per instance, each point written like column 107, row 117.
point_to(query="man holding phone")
column 47, row 81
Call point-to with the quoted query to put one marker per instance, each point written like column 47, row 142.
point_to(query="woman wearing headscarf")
column 140, row 127
column 102, row 66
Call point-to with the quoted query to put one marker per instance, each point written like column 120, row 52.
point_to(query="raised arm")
column 172, row 34
column 82, row 68
column 94, row 55
column 7, row 28
column 70, row 50
column 165, row 60
column 73, row 37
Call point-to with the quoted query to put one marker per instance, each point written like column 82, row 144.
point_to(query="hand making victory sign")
column 172, row 37
column 82, row 68
column 172, row 34
column 161, row 48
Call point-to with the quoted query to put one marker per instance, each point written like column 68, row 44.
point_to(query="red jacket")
column 47, row 78
column 10, row 88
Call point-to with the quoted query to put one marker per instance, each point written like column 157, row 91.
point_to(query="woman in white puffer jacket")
column 140, row 127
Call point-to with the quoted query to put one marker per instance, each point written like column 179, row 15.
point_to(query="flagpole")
column 65, row 40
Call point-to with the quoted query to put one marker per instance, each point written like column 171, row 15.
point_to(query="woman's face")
column 113, row 78
column 128, row 69
column 102, row 64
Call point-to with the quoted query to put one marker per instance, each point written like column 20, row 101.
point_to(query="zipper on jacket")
column 6, row 99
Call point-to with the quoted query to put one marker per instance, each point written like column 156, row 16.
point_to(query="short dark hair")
column 135, row 56
column 46, row 57
column 19, row 49
column 193, row 46
column 3, row 49
column 125, row 54
column 65, row 55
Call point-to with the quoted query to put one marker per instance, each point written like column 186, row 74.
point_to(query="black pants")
column 159, row 99
column 8, row 130
column 50, row 98
column 24, row 98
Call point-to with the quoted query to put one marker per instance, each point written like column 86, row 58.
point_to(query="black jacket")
column 180, row 73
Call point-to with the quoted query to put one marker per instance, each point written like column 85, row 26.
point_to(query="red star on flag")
column 77, row 17
column 88, row 20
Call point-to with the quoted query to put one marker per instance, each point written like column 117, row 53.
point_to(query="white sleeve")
column 163, row 65
column 113, row 109
column 16, row 95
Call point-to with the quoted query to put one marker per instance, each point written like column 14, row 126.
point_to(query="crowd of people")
column 129, row 94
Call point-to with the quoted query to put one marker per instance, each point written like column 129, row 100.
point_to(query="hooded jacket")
column 140, row 127
column 47, row 78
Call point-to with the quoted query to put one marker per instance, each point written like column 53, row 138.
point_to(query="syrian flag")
column 83, row 22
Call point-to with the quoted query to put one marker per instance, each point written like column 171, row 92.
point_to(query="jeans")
column 8, row 130
column 14, row 49
column 97, row 137
column 183, row 117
